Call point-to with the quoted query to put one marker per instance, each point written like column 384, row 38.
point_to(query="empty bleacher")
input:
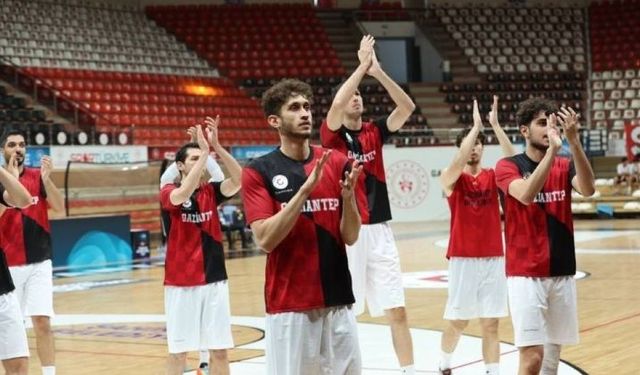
column 254, row 41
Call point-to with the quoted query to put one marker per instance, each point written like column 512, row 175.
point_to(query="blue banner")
column 34, row 154
column 250, row 152
column 91, row 243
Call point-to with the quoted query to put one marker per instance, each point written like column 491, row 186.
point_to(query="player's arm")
column 525, row 191
column 450, row 175
column 15, row 194
column 55, row 199
column 271, row 231
column 191, row 181
column 231, row 185
column 503, row 139
column 404, row 105
column 349, row 87
column 584, row 180
column 350, row 221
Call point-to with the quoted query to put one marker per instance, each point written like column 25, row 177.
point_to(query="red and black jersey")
column 308, row 269
column 539, row 236
column 475, row 217
column 6, row 283
column 32, row 222
column 195, row 254
column 365, row 145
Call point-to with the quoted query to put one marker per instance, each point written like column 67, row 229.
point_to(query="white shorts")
column 198, row 317
column 314, row 342
column 477, row 289
column 34, row 288
column 543, row 310
column 375, row 270
column 13, row 336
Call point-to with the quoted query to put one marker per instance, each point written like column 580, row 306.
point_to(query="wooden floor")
column 609, row 306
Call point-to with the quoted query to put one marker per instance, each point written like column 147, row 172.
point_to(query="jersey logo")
column 187, row 204
column 280, row 181
column 35, row 200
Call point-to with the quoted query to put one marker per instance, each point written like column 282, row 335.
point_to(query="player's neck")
column 472, row 169
column 534, row 153
column 296, row 149
column 352, row 123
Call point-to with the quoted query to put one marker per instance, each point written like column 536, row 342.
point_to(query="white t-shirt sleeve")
column 170, row 174
column 214, row 170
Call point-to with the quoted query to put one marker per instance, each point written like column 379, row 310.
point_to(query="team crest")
column 408, row 182
column 187, row 204
column 280, row 181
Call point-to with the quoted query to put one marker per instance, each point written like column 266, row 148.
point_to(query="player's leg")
column 528, row 303
column 340, row 349
column 215, row 332
column 493, row 305
column 38, row 304
column 183, row 309
column 14, row 349
column 385, row 292
column 293, row 341
column 562, row 321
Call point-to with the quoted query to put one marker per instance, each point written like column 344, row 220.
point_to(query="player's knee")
column 489, row 326
column 41, row 325
column 531, row 360
column 397, row 315
column 219, row 355
column 178, row 357
column 459, row 325
column 17, row 366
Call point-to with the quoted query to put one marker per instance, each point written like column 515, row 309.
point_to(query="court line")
column 614, row 321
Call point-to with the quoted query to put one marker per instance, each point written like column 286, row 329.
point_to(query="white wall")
column 413, row 183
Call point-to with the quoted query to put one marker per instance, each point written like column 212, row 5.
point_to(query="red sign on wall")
column 632, row 135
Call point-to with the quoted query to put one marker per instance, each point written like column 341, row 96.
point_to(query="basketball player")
column 170, row 175
column 373, row 259
column 299, row 200
column 29, row 254
column 14, row 348
column 540, row 256
column 196, row 290
column 477, row 282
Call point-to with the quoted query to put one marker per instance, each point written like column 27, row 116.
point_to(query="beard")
column 539, row 146
column 287, row 131
column 473, row 162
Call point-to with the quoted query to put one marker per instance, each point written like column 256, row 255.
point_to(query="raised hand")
column 212, row 131
column 493, row 115
column 365, row 53
column 555, row 141
column 570, row 122
column 192, row 134
column 316, row 173
column 12, row 166
column 201, row 140
column 477, row 119
column 350, row 180
column 374, row 68
column 46, row 166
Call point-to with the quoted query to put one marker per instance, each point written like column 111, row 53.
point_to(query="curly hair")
column 481, row 137
column 530, row 108
column 277, row 95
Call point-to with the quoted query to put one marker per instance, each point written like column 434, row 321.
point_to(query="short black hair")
column 181, row 155
column 277, row 95
column 624, row 159
column 530, row 108
column 481, row 137
column 9, row 133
